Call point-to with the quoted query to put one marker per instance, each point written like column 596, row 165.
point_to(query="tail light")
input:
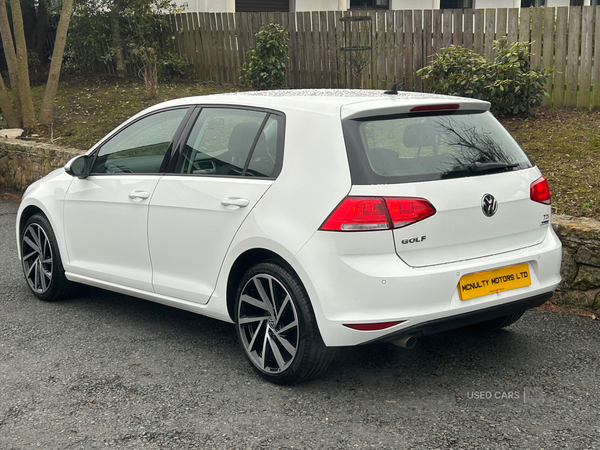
column 377, row 213
column 539, row 191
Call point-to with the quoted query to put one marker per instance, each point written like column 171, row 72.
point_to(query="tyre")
column 41, row 261
column 496, row 324
column 276, row 326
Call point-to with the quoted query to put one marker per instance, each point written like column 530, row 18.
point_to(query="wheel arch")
column 242, row 264
column 29, row 211
column 26, row 213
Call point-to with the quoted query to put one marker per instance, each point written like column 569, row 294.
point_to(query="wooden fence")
column 562, row 38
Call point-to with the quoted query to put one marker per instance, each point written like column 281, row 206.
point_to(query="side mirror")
column 79, row 166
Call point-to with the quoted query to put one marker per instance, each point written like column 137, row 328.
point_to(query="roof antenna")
column 393, row 90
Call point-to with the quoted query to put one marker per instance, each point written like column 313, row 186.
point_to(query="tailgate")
column 460, row 230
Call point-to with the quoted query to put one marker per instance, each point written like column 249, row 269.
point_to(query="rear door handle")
column 138, row 196
column 235, row 201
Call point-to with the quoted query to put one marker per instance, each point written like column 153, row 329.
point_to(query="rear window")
column 426, row 147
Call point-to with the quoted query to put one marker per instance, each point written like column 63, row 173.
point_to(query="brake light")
column 539, row 191
column 358, row 214
column 376, row 213
column 425, row 108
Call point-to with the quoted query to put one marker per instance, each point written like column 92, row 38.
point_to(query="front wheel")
column 276, row 326
column 41, row 261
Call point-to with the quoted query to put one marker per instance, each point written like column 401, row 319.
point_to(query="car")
column 311, row 219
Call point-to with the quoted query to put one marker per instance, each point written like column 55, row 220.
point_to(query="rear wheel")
column 41, row 261
column 276, row 326
column 496, row 324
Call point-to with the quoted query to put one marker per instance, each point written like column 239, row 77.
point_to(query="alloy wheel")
column 38, row 260
column 268, row 323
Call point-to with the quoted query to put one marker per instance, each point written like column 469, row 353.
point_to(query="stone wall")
column 23, row 162
column 581, row 261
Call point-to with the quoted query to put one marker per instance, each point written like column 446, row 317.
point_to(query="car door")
column 229, row 161
column 106, row 214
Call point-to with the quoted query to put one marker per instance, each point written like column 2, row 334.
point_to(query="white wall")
column 413, row 4
column 318, row 5
column 564, row 2
column 207, row 5
column 435, row 4
column 497, row 4
column 337, row 5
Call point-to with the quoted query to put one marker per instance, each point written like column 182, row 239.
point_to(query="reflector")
column 372, row 326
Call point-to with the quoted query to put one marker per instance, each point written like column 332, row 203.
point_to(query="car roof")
column 348, row 103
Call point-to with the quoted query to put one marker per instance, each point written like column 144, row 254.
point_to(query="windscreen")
column 425, row 147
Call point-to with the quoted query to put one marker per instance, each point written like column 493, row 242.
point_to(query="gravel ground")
column 109, row 371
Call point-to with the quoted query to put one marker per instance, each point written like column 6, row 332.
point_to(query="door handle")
column 138, row 196
column 235, row 201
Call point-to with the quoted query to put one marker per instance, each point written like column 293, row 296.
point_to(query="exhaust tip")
column 406, row 341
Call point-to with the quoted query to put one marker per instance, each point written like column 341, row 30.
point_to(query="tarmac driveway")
column 109, row 371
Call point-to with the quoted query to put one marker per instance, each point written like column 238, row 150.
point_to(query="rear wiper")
column 484, row 167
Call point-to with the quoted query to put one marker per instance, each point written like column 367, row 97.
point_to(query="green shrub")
column 509, row 83
column 265, row 64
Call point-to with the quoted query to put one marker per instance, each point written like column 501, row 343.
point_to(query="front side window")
column 406, row 148
column 232, row 142
column 142, row 146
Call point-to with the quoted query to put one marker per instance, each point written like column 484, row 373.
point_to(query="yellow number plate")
column 493, row 281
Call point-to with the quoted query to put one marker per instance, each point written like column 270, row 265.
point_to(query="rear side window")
column 233, row 142
column 408, row 148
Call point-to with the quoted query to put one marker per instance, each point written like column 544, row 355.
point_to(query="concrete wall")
column 21, row 163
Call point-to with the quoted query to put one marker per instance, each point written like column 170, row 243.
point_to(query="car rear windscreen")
column 425, row 147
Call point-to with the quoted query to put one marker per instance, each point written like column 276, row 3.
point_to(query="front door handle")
column 235, row 201
column 138, row 196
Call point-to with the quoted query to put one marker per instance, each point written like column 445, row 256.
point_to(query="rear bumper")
column 466, row 319
column 348, row 285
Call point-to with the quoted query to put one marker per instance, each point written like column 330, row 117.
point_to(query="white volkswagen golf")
column 310, row 219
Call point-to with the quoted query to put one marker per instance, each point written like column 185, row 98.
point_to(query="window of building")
column 262, row 5
column 534, row 3
column 369, row 4
column 456, row 4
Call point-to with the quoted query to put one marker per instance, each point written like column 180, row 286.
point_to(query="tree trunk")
column 7, row 108
column 10, row 55
column 47, row 110
column 24, row 86
column 117, row 44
